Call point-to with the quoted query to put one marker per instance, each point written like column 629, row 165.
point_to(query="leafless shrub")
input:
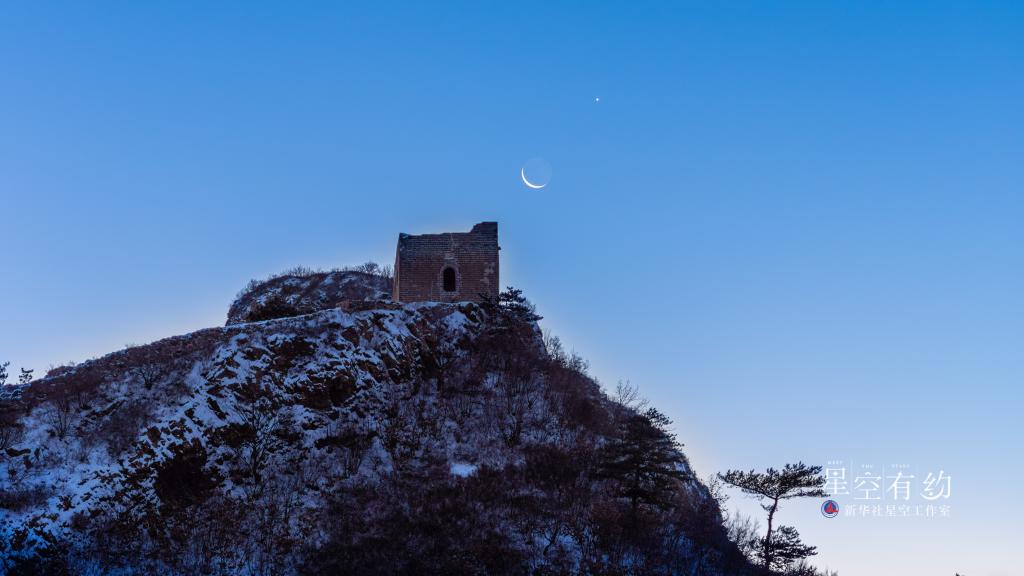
column 147, row 374
column 744, row 532
column 59, row 415
column 516, row 392
column 254, row 451
column 268, row 534
column 716, row 490
column 122, row 426
column 628, row 395
column 804, row 568
column 355, row 447
column 259, row 434
column 459, row 404
column 18, row 499
column 351, row 445
column 371, row 268
column 399, row 433
column 272, row 308
column 557, row 354
column 10, row 430
column 54, row 371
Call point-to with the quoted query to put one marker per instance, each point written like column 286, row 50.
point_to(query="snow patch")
column 463, row 469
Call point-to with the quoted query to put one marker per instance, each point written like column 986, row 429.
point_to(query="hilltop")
column 302, row 291
column 371, row 438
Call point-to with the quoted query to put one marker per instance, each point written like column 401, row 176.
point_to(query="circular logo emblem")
column 830, row 509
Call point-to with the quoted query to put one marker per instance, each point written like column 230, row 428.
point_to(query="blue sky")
column 796, row 226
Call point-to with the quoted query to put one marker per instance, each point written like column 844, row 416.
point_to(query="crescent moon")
column 522, row 174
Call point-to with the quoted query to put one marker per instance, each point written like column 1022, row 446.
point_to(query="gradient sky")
column 798, row 227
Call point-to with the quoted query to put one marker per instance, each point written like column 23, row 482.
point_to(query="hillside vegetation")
column 303, row 290
column 399, row 439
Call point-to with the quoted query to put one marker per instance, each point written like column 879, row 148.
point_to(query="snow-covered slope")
column 399, row 438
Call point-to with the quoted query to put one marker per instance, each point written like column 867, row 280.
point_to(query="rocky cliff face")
column 415, row 439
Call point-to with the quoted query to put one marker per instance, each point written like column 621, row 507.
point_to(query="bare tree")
column 147, row 374
column 257, row 434
column 371, row 268
column 9, row 428
column 59, row 414
column 743, row 531
column 516, row 391
column 8, row 421
column 254, row 451
column 628, row 395
column 553, row 345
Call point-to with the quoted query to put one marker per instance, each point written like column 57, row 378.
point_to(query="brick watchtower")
column 448, row 267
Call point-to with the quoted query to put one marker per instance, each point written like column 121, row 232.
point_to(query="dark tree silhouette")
column 771, row 487
column 644, row 459
column 183, row 480
column 60, row 414
column 509, row 310
column 25, row 377
column 148, row 374
column 786, row 548
column 510, row 351
column 274, row 307
column 9, row 427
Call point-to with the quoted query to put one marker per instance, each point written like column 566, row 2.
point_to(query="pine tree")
column 510, row 352
column 3, row 373
column 509, row 309
column 25, row 377
column 772, row 486
column 644, row 460
column 786, row 548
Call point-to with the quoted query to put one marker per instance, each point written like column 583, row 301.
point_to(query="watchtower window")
column 448, row 279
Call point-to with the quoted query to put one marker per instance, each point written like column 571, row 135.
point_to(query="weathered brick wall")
column 420, row 262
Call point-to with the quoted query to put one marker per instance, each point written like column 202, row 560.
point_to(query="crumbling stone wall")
column 448, row 267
